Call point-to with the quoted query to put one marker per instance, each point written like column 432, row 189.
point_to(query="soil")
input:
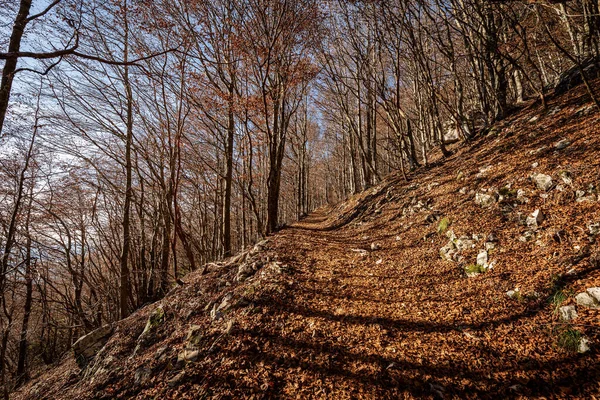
column 355, row 302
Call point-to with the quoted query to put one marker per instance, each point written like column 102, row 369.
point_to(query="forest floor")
column 356, row 302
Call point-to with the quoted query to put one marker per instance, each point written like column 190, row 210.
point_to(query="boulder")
column 594, row 229
column 521, row 198
column 535, row 219
column 464, row 243
column 482, row 258
column 572, row 77
column 484, row 200
column 584, row 345
column 542, row 181
column 566, row 177
column 585, row 299
column 448, row 251
column 88, row 345
column 595, row 293
column 451, row 136
column 218, row 310
column 562, row 144
column 567, row 313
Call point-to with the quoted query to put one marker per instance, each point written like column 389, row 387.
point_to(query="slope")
column 445, row 286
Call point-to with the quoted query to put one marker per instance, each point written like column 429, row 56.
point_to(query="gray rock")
column 527, row 236
column 448, row 251
column 489, row 246
column 375, row 246
column 586, row 300
column 194, row 335
column 514, row 294
column 595, row 293
column 594, row 229
column 177, row 379
column 566, row 177
column 521, row 198
column 88, row 345
column 484, row 200
column 218, row 310
column 482, row 258
column 464, row 243
column 451, row 235
column 584, row 345
column 188, row 355
column 542, row 181
column 535, row 219
column 586, row 199
column 567, row 313
column 141, row 376
column 562, row 144
column 492, row 238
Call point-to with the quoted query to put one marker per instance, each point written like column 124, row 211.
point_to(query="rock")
column 521, row 198
column 194, row 335
column 586, row 300
column 141, row 376
column 463, row 190
column 514, row 294
column 542, row 181
column 177, row 379
column 535, row 219
column 527, row 236
column 562, row 144
column 492, row 238
column 156, row 318
column 188, row 355
column 451, row 136
column 88, row 345
column 398, row 238
column 247, row 269
column 489, row 246
column 584, row 345
column 218, row 311
column 448, row 251
column 482, row 258
column 595, row 293
column 534, row 118
column 586, row 199
column 566, row 177
column 594, row 229
column 567, row 313
column 484, row 200
column 535, row 165
column 160, row 353
column 450, row 235
column 483, row 172
column 375, row 246
column 572, row 77
column 464, row 243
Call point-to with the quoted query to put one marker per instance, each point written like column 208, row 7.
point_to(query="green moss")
column 443, row 225
column 474, row 269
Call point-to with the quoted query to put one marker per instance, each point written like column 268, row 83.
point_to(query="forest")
column 141, row 140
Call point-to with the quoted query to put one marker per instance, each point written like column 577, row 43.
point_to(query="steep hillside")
column 462, row 283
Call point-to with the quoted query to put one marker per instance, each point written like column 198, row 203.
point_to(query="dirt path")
column 396, row 322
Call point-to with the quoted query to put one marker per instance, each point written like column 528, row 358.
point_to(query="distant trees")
column 147, row 139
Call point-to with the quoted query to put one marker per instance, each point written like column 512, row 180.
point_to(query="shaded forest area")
column 141, row 140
